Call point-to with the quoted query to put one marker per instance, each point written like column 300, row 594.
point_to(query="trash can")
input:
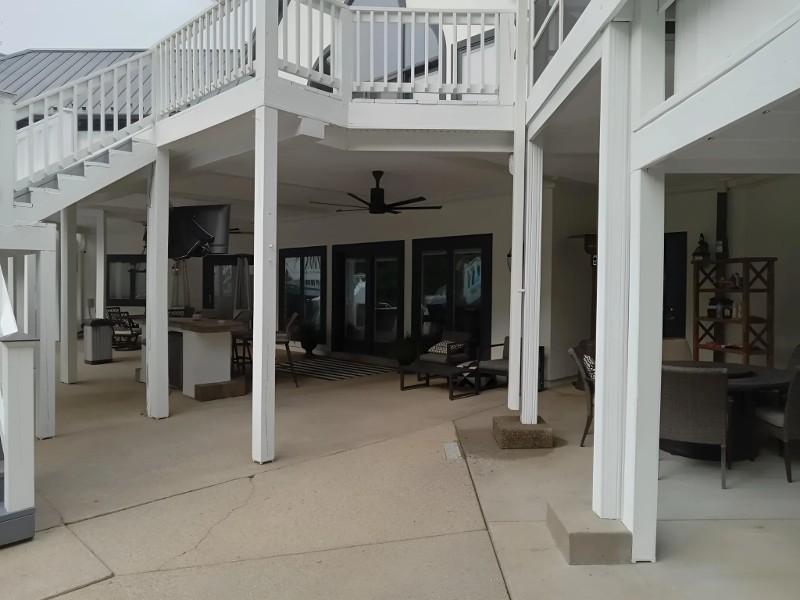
column 97, row 335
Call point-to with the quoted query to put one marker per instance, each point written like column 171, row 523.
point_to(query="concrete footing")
column 584, row 538
column 509, row 433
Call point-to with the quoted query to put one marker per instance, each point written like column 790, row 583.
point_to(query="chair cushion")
column 497, row 366
column 441, row 347
column 442, row 359
column 773, row 416
column 588, row 363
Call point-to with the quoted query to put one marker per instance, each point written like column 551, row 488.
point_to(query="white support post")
column 267, row 38
column 47, row 295
column 19, row 290
column 100, row 265
column 30, row 297
column 532, row 281
column 16, row 420
column 69, row 278
column 8, row 155
column 640, row 484
column 612, row 277
column 266, row 284
column 546, row 307
column 508, row 69
column 158, row 289
column 644, row 362
column 518, row 165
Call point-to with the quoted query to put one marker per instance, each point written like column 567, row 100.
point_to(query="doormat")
column 332, row 369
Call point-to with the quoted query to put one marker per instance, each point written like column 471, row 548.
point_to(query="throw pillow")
column 441, row 347
column 588, row 364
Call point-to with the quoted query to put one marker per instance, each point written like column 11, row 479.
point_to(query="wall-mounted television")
column 195, row 231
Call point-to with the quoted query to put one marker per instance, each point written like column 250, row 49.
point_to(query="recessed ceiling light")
column 711, row 138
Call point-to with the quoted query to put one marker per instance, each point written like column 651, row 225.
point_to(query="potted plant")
column 308, row 338
column 404, row 350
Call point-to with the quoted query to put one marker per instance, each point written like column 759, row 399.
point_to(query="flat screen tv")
column 195, row 231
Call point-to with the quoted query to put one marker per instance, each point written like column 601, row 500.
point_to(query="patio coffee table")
column 450, row 372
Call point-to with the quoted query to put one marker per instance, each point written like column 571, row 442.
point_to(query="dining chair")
column 588, row 387
column 784, row 423
column 282, row 338
column 695, row 408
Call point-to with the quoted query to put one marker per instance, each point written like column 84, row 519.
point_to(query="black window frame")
column 131, row 260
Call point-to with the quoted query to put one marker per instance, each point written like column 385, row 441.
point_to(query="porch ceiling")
column 218, row 167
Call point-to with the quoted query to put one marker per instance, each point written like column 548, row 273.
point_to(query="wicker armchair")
column 784, row 424
column 695, row 408
column 588, row 388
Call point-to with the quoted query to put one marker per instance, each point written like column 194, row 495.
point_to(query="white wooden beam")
column 531, row 301
column 266, row 284
column 68, row 351
column 47, row 295
column 612, row 275
column 16, row 403
column 19, row 290
column 755, row 79
column 644, row 362
column 158, row 289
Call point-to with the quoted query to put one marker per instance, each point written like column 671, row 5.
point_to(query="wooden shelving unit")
column 756, row 299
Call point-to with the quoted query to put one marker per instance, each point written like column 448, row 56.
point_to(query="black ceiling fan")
column 377, row 204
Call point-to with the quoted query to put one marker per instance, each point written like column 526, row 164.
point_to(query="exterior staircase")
column 57, row 192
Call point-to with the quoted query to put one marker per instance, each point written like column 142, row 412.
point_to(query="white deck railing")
column 70, row 122
column 461, row 55
column 211, row 51
column 422, row 51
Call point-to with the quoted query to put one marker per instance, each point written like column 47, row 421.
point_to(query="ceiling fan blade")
column 332, row 204
column 351, row 210
column 354, row 197
column 404, row 202
column 404, row 208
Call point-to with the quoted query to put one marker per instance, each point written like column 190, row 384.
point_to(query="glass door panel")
column 312, row 290
column 224, row 280
column 355, row 299
column 292, row 290
column 467, row 291
column 387, row 300
column 435, row 281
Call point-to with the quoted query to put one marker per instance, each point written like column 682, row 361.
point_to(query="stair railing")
column 71, row 122
column 310, row 41
column 210, row 52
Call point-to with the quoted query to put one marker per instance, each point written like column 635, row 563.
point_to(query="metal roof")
column 32, row 72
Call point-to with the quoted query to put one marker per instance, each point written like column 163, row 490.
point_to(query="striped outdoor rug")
column 332, row 369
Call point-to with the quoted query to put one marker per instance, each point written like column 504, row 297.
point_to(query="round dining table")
column 744, row 383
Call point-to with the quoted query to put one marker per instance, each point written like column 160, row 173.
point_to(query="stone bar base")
column 205, row 392
column 509, row 433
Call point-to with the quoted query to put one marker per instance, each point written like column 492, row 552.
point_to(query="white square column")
column 532, row 279
column 613, row 243
column 642, row 422
column 265, row 293
column 47, row 331
column 158, row 289
column 100, row 265
column 69, row 279
column 28, row 316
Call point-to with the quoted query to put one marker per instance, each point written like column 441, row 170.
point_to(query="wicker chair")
column 695, row 408
column 784, row 424
column 588, row 388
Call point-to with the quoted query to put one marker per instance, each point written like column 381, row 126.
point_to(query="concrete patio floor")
column 361, row 502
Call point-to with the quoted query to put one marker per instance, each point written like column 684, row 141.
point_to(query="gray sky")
column 91, row 23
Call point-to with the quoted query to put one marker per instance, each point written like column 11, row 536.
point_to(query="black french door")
column 303, row 275
column 367, row 297
column 452, row 288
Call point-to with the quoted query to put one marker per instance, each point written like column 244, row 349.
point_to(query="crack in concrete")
column 213, row 526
